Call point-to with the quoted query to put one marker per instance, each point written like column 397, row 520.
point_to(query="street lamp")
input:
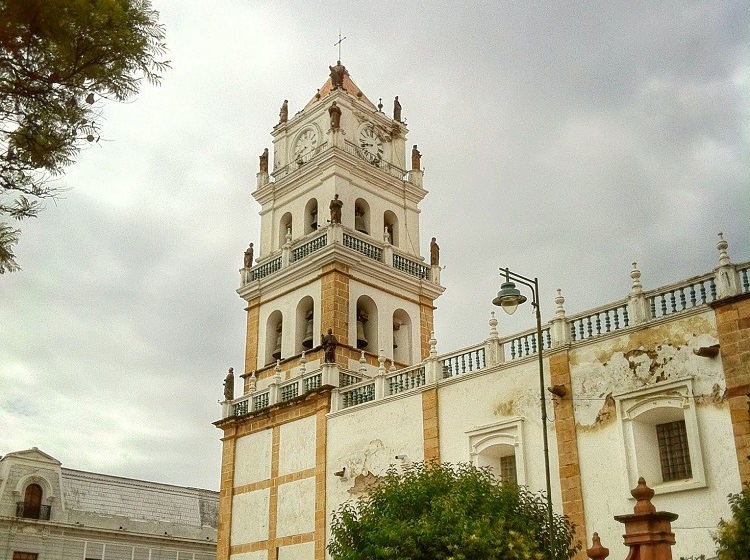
column 509, row 298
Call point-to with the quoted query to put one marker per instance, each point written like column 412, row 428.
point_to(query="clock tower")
column 339, row 256
column 340, row 244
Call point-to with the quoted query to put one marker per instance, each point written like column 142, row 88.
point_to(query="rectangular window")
column 674, row 452
column 508, row 469
column 24, row 555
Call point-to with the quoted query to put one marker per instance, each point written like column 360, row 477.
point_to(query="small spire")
column 722, row 246
column 277, row 369
column 381, row 361
column 433, row 345
column 559, row 309
column 362, row 363
column 643, row 494
column 637, row 287
column 380, row 104
column 302, row 364
column 493, row 325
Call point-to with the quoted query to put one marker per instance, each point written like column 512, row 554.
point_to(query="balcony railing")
column 640, row 308
column 41, row 512
column 355, row 241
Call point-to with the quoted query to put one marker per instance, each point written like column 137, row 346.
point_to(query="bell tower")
column 340, row 242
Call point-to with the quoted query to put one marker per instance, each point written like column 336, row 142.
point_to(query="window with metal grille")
column 24, row 555
column 674, row 452
column 508, row 469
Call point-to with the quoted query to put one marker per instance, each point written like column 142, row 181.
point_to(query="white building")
column 653, row 385
column 48, row 512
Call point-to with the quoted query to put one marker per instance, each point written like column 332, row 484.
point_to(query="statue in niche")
column 264, row 161
column 396, row 110
column 249, row 256
column 434, row 253
column 416, row 158
column 229, row 385
column 335, row 113
column 329, row 343
column 337, row 75
column 335, row 207
column 284, row 112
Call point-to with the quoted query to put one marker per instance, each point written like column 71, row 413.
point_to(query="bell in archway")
column 314, row 222
column 361, row 320
column 307, row 340
column 277, row 350
column 359, row 221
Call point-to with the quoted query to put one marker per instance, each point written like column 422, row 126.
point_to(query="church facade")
column 49, row 512
column 342, row 377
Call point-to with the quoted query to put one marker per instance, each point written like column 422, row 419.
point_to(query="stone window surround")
column 506, row 432
column 676, row 400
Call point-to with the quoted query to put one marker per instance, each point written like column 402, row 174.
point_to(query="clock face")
column 306, row 143
column 370, row 144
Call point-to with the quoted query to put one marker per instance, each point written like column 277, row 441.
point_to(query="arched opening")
column 32, row 501
column 285, row 226
column 304, row 331
column 362, row 216
column 390, row 226
column 402, row 345
column 367, row 325
column 311, row 216
column 501, row 459
column 274, row 327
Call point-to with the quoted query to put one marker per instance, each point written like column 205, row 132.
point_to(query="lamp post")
column 509, row 298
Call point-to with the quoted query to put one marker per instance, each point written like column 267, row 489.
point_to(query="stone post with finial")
column 638, row 311
column 273, row 388
column 493, row 348
column 431, row 364
column 380, row 377
column 727, row 283
column 648, row 532
column 559, row 331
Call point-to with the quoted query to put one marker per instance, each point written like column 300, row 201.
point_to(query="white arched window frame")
column 484, row 443
column 640, row 412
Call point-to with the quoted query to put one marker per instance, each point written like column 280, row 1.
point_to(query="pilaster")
column 426, row 309
column 430, row 424
column 733, row 327
column 567, row 445
column 335, row 302
column 251, row 339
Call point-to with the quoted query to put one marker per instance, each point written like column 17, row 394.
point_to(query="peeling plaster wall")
column 365, row 442
column 474, row 402
column 614, row 366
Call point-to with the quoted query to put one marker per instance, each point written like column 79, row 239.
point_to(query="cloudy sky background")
column 561, row 139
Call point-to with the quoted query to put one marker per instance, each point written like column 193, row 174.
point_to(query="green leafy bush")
column 437, row 512
column 733, row 537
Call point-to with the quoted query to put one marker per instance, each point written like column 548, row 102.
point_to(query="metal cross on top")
column 338, row 43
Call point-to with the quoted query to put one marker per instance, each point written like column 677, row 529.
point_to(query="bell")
column 359, row 223
column 277, row 351
column 314, row 223
column 395, row 345
column 307, row 341
column 361, row 340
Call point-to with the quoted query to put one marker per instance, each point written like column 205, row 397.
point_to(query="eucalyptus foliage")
column 450, row 512
column 59, row 59
column 733, row 537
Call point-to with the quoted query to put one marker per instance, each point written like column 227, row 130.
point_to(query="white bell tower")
column 339, row 243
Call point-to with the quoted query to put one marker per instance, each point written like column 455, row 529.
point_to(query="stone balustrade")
column 355, row 388
column 369, row 247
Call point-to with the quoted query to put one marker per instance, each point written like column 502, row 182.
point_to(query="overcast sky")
column 564, row 140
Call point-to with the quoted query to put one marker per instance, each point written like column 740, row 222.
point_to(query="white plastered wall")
column 498, row 397
column 365, row 442
column 633, row 363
